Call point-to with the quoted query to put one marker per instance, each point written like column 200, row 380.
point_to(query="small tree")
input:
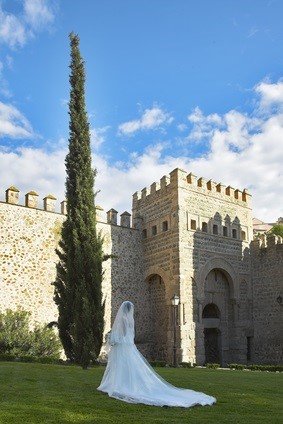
column 277, row 230
column 16, row 337
column 78, row 291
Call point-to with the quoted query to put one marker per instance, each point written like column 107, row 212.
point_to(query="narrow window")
column 215, row 229
column 193, row 224
column 165, row 226
column 243, row 235
column 184, row 314
column 204, row 227
column 154, row 230
column 225, row 231
column 144, row 233
column 234, row 233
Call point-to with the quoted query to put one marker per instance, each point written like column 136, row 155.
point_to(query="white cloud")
column 244, row 151
column 12, row 31
column 97, row 136
column 202, row 125
column 270, row 94
column 36, row 15
column 151, row 119
column 33, row 169
column 181, row 127
column 13, row 123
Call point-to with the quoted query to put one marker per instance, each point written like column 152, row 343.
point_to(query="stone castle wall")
column 267, row 276
column 28, row 238
column 190, row 237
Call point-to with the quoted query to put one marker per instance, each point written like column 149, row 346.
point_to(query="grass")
column 39, row 393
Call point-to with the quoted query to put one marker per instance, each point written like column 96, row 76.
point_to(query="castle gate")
column 158, row 318
column 212, row 334
column 218, row 318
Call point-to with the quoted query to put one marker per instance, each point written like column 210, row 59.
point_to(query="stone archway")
column 226, row 268
column 218, row 317
column 212, row 334
column 158, row 317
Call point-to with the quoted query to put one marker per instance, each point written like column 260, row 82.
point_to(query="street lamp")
column 175, row 303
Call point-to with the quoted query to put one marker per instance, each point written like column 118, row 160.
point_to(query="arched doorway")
column 212, row 334
column 158, row 318
column 218, row 317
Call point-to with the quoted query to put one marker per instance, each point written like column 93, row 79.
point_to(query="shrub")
column 158, row 364
column 237, row 366
column 271, row 368
column 213, row 366
column 17, row 339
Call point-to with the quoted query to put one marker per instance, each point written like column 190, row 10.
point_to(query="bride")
column 129, row 377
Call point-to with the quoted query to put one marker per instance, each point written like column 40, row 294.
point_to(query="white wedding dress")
column 129, row 377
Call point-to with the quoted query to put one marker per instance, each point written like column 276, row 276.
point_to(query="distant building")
column 261, row 227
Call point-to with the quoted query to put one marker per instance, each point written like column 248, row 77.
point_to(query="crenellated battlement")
column 264, row 241
column 189, row 181
column 12, row 195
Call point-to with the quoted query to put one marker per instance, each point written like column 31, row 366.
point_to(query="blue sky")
column 195, row 84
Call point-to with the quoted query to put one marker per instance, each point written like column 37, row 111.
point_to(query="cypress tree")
column 78, row 292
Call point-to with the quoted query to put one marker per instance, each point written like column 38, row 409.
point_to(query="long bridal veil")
column 128, row 375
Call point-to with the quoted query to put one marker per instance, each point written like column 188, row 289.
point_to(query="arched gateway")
column 218, row 317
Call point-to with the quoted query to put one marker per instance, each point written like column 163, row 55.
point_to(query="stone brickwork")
column 28, row 239
column 188, row 236
column 194, row 230
column 267, row 276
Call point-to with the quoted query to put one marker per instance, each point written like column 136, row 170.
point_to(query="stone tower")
column 196, row 236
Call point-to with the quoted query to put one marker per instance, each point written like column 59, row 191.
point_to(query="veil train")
column 128, row 375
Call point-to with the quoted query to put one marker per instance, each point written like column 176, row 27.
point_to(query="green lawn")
column 38, row 393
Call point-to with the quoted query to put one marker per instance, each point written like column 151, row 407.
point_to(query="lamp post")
column 175, row 303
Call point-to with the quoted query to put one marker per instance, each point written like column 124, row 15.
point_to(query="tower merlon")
column 192, row 179
column 211, row 185
column 154, row 187
column 12, row 195
column 112, row 217
column 64, row 207
column 31, row 199
column 164, row 182
column 220, row 188
column 178, row 177
column 229, row 191
column 246, row 196
column 201, row 182
column 238, row 194
column 125, row 219
column 145, row 191
column 49, row 203
column 99, row 213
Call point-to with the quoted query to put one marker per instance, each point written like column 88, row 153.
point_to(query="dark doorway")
column 212, row 345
